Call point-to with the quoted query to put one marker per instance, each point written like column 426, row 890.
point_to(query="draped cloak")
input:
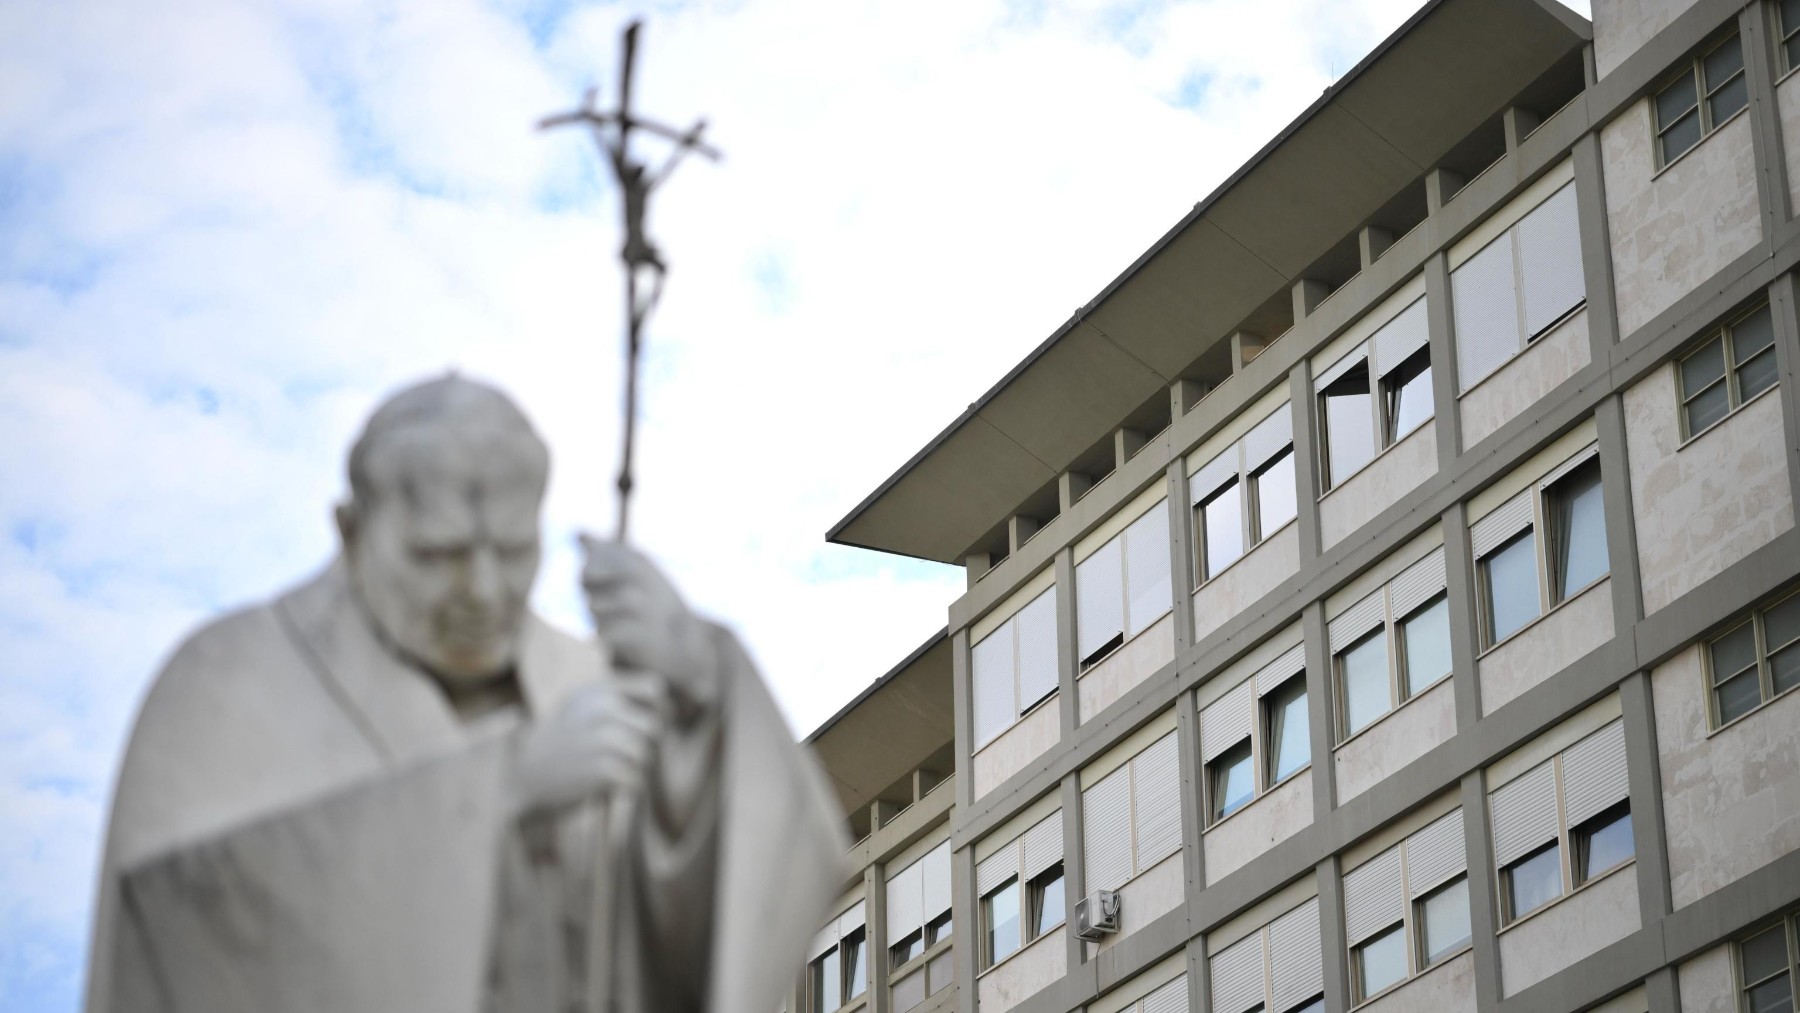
column 302, row 823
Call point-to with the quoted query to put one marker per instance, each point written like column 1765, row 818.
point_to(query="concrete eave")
column 1451, row 68
column 908, row 712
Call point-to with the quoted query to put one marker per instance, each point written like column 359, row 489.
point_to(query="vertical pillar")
column 1306, row 460
column 1199, row 975
column 1074, row 866
column 1070, row 485
column 968, row 931
column 1440, row 185
column 1596, row 247
column 1765, row 127
column 1465, row 626
column 1440, row 329
column 1019, row 529
column 1181, row 551
column 975, row 564
column 875, row 936
column 1621, row 525
column 1184, row 394
column 1067, row 658
column 1784, row 307
column 1308, row 294
column 1333, row 946
column 1518, row 123
column 1660, row 988
column 1371, row 242
column 1484, row 906
column 1321, row 712
column 1187, row 740
column 1245, row 347
column 1644, row 774
column 962, row 715
column 1126, row 442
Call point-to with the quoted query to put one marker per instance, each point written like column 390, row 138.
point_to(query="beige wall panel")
column 1707, row 984
column 1731, row 803
column 1585, row 923
column 1262, row 824
column 1622, row 26
column 1396, row 740
column 1246, row 581
column 1395, row 473
column 1672, row 232
column 1556, row 641
column 1522, row 382
column 1024, row 974
column 1029, row 738
column 1148, row 897
column 1446, row 988
column 1703, row 507
column 1126, row 667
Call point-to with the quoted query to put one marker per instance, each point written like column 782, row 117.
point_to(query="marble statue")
column 395, row 788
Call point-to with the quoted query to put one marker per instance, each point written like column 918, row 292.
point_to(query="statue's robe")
column 303, row 823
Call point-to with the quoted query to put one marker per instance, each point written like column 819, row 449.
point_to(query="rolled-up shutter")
column 905, row 891
column 1355, row 621
column 1581, row 457
column 1330, row 374
column 1551, row 282
column 936, row 881
column 1506, row 520
column 1486, row 310
column 1296, row 963
column 1291, row 663
column 1418, row 583
column 824, row 941
column 1270, row 437
column 1043, row 845
column 991, row 675
column 1435, row 853
column 1372, row 896
column 1148, row 588
column 1524, row 814
column 1594, row 773
column 1099, row 599
column 1106, row 830
column 1225, row 722
column 851, row 920
column 996, row 869
column 1168, row 998
column 1220, row 470
column 1036, row 625
column 1156, row 801
column 1401, row 337
column 1237, row 976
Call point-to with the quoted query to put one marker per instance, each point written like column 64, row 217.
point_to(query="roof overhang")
column 1450, row 69
column 890, row 728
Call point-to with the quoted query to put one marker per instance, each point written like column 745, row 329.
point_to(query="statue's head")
column 440, row 533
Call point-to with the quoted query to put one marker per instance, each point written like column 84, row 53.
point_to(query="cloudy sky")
column 228, row 226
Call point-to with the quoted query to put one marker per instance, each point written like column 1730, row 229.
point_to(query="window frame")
column 1203, row 564
column 1723, row 335
column 815, row 985
column 1253, row 509
column 1581, row 842
column 1259, row 746
column 1789, row 927
column 1383, row 392
column 1765, row 673
column 1552, row 495
column 1421, row 937
column 1405, row 687
column 1401, row 689
column 1214, row 816
column 1359, row 988
column 1541, row 529
column 1694, row 70
column 1783, row 37
column 1343, row 684
column 1509, row 915
column 1268, row 712
column 1033, row 903
column 936, row 944
column 984, row 912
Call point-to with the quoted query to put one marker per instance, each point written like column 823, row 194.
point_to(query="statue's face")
column 444, row 556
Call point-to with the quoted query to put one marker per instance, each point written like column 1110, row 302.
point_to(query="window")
column 1123, row 587
column 1047, row 900
column 939, row 930
column 1445, row 917
column 1314, row 1005
column 1245, row 494
column 856, row 964
column 1275, row 493
column 906, row 949
column 1787, row 17
column 1276, row 967
column 1374, row 395
column 1406, row 394
column 1391, row 645
column 1603, row 842
column 827, row 982
column 918, row 927
column 1709, row 390
column 1013, row 668
column 1517, row 288
column 1380, row 962
column 1532, row 881
column 1363, row 674
column 1000, row 919
column 1707, row 91
column 1509, row 587
column 1131, row 815
column 1347, row 413
column 1221, row 521
column 1767, row 965
column 1289, row 729
column 1425, row 646
column 1577, row 525
column 839, row 970
column 1756, row 662
column 1232, row 781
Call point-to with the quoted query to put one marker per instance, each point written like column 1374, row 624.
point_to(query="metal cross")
column 644, row 266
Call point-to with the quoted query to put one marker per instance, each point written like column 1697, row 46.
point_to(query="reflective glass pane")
column 1606, row 843
column 1722, row 62
column 1682, row 135
column 1792, row 49
column 1710, row 406
column 1784, row 668
column 1365, row 676
column 1733, row 96
column 1674, row 101
column 1446, row 920
column 1275, row 495
column 1223, row 518
column 906, row 949
column 1733, row 652
column 1000, row 913
column 828, row 988
column 1048, row 901
column 1781, row 623
column 1409, row 397
column 856, row 966
column 1765, row 954
column 1381, row 961
column 1703, row 367
column 1580, row 529
column 1290, row 736
column 1534, row 881
column 938, row 930
column 1510, row 576
column 1756, row 376
column 1776, row 996
column 1739, row 696
column 1752, row 334
column 1425, row 636
column 1232, row 781
column 1349, row 423
column 1790, row 16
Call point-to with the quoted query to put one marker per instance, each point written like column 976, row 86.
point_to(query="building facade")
column 1381, row 595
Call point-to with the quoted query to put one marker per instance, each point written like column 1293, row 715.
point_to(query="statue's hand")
column 646, row 627
column 600, row 742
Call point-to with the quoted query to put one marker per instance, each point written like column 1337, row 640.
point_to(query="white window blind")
column 835, row 930
column 1524, row 814
column 1594, row 773
column 1131, row 818
column 1270, row 437
column 1041, row 847
column 1156, row 801
column 1296, row 965
column 1373, row 899
column 1357, row 620
column 1485, row 299
column 1036, row 649
column 1418, row 583
column 918, row 893
column 1126, row 584
column 1435, row 853
column 1013, row 667
column 1237, row 975
column 1225, row 722
column 1099, row 603
column 1400, row 337
column 1517, row 286
column 996, row 869
column 1167, row 998
column 1106, row 830
column 1506, row 520
column 1550, row 280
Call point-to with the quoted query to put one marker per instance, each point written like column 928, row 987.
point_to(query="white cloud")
column 226, row 230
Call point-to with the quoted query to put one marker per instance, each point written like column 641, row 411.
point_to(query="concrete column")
column 1596, row 247
column 963, row 914
column 1306, row 460
column 1371, row 242
column 1465, row 624
column 1184, row 395
column 1245, row 347
column 1518, row 123
column 880, row 811
column 1440, row 185
column 1187, row 740
column 1440, row 328
column 975, row 564
column 1784, row 307
column 1126, row 442
column 1333, row 947
column 875, row 935
column 962, row 714
column 1069, row 487
column 1660, row 988
column 1181, row 542
column 1308, row 294
column 1621, row 525
column 1484, row 906
column 1067, row 660
column 1199, row 975
column 1321, row 710
column 1644, row 773
column 1765, row 127
column 1019, row 529
column 1074, row 866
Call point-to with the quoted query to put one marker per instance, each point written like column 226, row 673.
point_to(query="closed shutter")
column 1401, row 337
column 1291, row 663
column 936, row 886
column 991, row 672
column 1156, row 801
column 1550, row 261
column 1220, row 470
column 1225, row 722
column 1169, row 998
column 1043, row 845
column 1296, row 966
column 1507, row 520
column 1435, row 853
column 824, row 941
column 1106, row 831
column 1372, row 896
column 1594, row 773
column 1237, row 976
column 1037, row 649
column 1344, row 365
column 1148, row 589
column 1270, row 437
column 1099, row 600
column 1357, row 620
column 1418, row 583
column 1524, row 814
column 999, row 867
column 905, row 891
column 1580, row 458
column 851, row 920
column 1486, row 311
